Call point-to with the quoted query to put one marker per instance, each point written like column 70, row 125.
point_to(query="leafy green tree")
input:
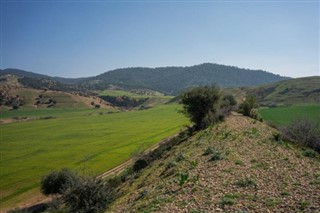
column 202, row 105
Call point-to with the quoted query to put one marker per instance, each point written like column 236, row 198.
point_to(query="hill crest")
column 253, row 173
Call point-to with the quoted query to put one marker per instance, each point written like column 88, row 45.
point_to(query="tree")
column 202, row 105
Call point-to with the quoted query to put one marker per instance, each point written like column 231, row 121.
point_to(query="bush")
column 57, row 182
column 202, row 105
column 140, row 164
column 228, row 104
column 304, row 131
column 89, row 195
column 248, row 105
column 78, row 193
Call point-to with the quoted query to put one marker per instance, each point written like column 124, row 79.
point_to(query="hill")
column 172, row 80
column 292, row 91
column 234, row 166
column 169, row 80
column 23, row 73
column 15, row 94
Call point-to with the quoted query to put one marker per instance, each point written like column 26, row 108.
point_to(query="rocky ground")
column 235, row 166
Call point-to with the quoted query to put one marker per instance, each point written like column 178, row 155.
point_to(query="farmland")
column 285, row 115
column 82, row 139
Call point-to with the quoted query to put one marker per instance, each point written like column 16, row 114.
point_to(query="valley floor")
column 245, row 170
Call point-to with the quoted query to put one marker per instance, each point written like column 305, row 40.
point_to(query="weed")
column 180, row 157
column 285, row 193
column 304, row 203
column 210, row 150
column 216, row 156
column 194, row 163
column 183, row 177
column 246, row 182
column 277, row 136
column 252, row 197
column 310, row 153
column 182, row 203
column 229, row 170
column 272, row 202
column 253, row 161
column 194, row 211
column 239, row 162
column 195, row 179
column 226, row 200
column 260, row 165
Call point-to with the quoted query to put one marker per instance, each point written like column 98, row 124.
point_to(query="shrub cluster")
column 78, row 193
column 304, row 131
column 206, row 105
column 248, row 108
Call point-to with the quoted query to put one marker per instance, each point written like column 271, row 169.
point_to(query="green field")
column 284, row 115
column 88, row 139
column 133, row 94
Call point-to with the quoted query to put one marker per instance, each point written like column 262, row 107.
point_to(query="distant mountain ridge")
column 169, row 80
column 172, row 80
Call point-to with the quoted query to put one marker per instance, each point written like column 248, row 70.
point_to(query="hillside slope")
column 172, row 80
column 11, row 88
column 292, row 91
column 255, row 174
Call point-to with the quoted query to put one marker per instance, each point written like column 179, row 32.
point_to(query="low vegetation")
column 78, row 193
column 296, row 123
column 205, row 105
column 305, row 132
column 259, row 172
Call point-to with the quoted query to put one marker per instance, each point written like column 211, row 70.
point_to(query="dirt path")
column 39, row 199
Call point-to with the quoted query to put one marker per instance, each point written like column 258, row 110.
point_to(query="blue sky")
column 85, row 38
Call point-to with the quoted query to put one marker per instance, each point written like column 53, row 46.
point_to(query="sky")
column 69, row 38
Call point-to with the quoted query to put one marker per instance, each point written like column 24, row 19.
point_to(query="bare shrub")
column 304, row 131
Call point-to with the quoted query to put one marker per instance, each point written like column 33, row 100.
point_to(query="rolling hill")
column 168, row 80
column 14, row 93
column 172, row 80
column 292, row 91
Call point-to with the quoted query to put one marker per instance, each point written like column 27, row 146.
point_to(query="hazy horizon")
column 88, row 38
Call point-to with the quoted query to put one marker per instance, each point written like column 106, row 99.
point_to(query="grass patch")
column 273, row 202
column 246, row 182
column 285, row 115
column 77, row 139
column 309, row 153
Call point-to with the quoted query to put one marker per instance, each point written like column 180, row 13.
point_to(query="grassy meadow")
column 284, row 115
column 82, row 139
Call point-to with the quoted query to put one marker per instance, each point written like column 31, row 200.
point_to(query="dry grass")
column 276, row 176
